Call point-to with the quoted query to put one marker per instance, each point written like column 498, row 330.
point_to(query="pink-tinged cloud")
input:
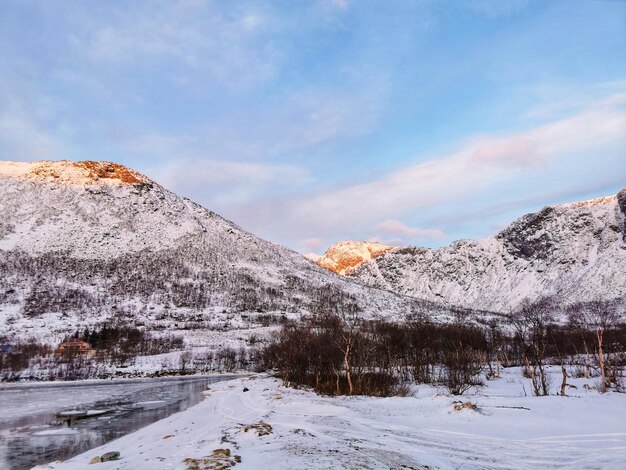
column 514, row 151
column 313, row 244
column 398, row 229
column 472, row 169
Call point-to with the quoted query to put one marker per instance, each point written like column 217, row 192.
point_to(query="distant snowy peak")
column 346, row 256
column 591, row 202
column 575, row 251
column 571, row 229
column 94, row 210
column 85, row 173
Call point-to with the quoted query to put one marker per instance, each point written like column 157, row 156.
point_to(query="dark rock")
column 621, row 200
column 110, row 456
column 529, row 236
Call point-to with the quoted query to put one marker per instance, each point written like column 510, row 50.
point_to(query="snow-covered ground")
column 258, row 423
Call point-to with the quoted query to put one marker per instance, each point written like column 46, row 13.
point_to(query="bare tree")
column 184, row 360
column 494, row 346
column 348, row 331
column 597, row 316
column 531, row 324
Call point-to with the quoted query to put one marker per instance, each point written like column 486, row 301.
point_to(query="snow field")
column 268, row 425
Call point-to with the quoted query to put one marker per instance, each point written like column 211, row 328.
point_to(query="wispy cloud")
column 313, row 244
column 398, row 229
column 21, row 138
column 235, row 50
column 23, row 133
column 475, row 167
column 341, row 4
column 555, row 99
column 227, row 182
column 497, row 8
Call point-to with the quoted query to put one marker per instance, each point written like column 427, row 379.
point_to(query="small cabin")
column 74, row 346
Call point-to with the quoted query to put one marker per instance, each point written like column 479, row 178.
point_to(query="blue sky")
column 410, row 122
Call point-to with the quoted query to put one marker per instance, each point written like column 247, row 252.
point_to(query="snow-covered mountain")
column 93, row 242
column 575, row 251
column 345, row 256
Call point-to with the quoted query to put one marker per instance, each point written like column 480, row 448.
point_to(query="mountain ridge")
column 575, row 251
column 78, row 248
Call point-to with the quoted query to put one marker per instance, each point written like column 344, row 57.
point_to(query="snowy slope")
column 89, row 242
column 576, row 251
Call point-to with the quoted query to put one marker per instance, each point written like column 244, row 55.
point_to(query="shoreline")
column 112, row 381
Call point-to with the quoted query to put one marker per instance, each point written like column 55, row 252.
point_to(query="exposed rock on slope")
column 621, row 199
column 345, row 256
column 86, row 173
column 575, row 251
column 90, row 242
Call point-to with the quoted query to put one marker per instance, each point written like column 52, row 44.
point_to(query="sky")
column 409, row 122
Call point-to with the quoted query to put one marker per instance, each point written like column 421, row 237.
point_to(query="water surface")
column 43, row 423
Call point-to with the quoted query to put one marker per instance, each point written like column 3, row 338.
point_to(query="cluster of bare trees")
column 600, row 319
column 119, row 343
column 36, row 361
column 114, row 349
column 16, row 357
column 112, row 346
column 589, row 336
column 215, row 361
column 339, row 353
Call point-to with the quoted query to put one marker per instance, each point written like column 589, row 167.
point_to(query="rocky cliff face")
column 574, row 251
column 93, row 242
column 621, row 199
column 346, row 256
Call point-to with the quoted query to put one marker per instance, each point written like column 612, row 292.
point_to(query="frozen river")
column 40, row 423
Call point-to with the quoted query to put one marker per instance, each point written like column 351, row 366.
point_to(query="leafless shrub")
column 463, row 367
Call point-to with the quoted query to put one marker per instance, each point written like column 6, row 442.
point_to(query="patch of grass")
column 468, row 405
column 220, row 459
column 261, row 428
